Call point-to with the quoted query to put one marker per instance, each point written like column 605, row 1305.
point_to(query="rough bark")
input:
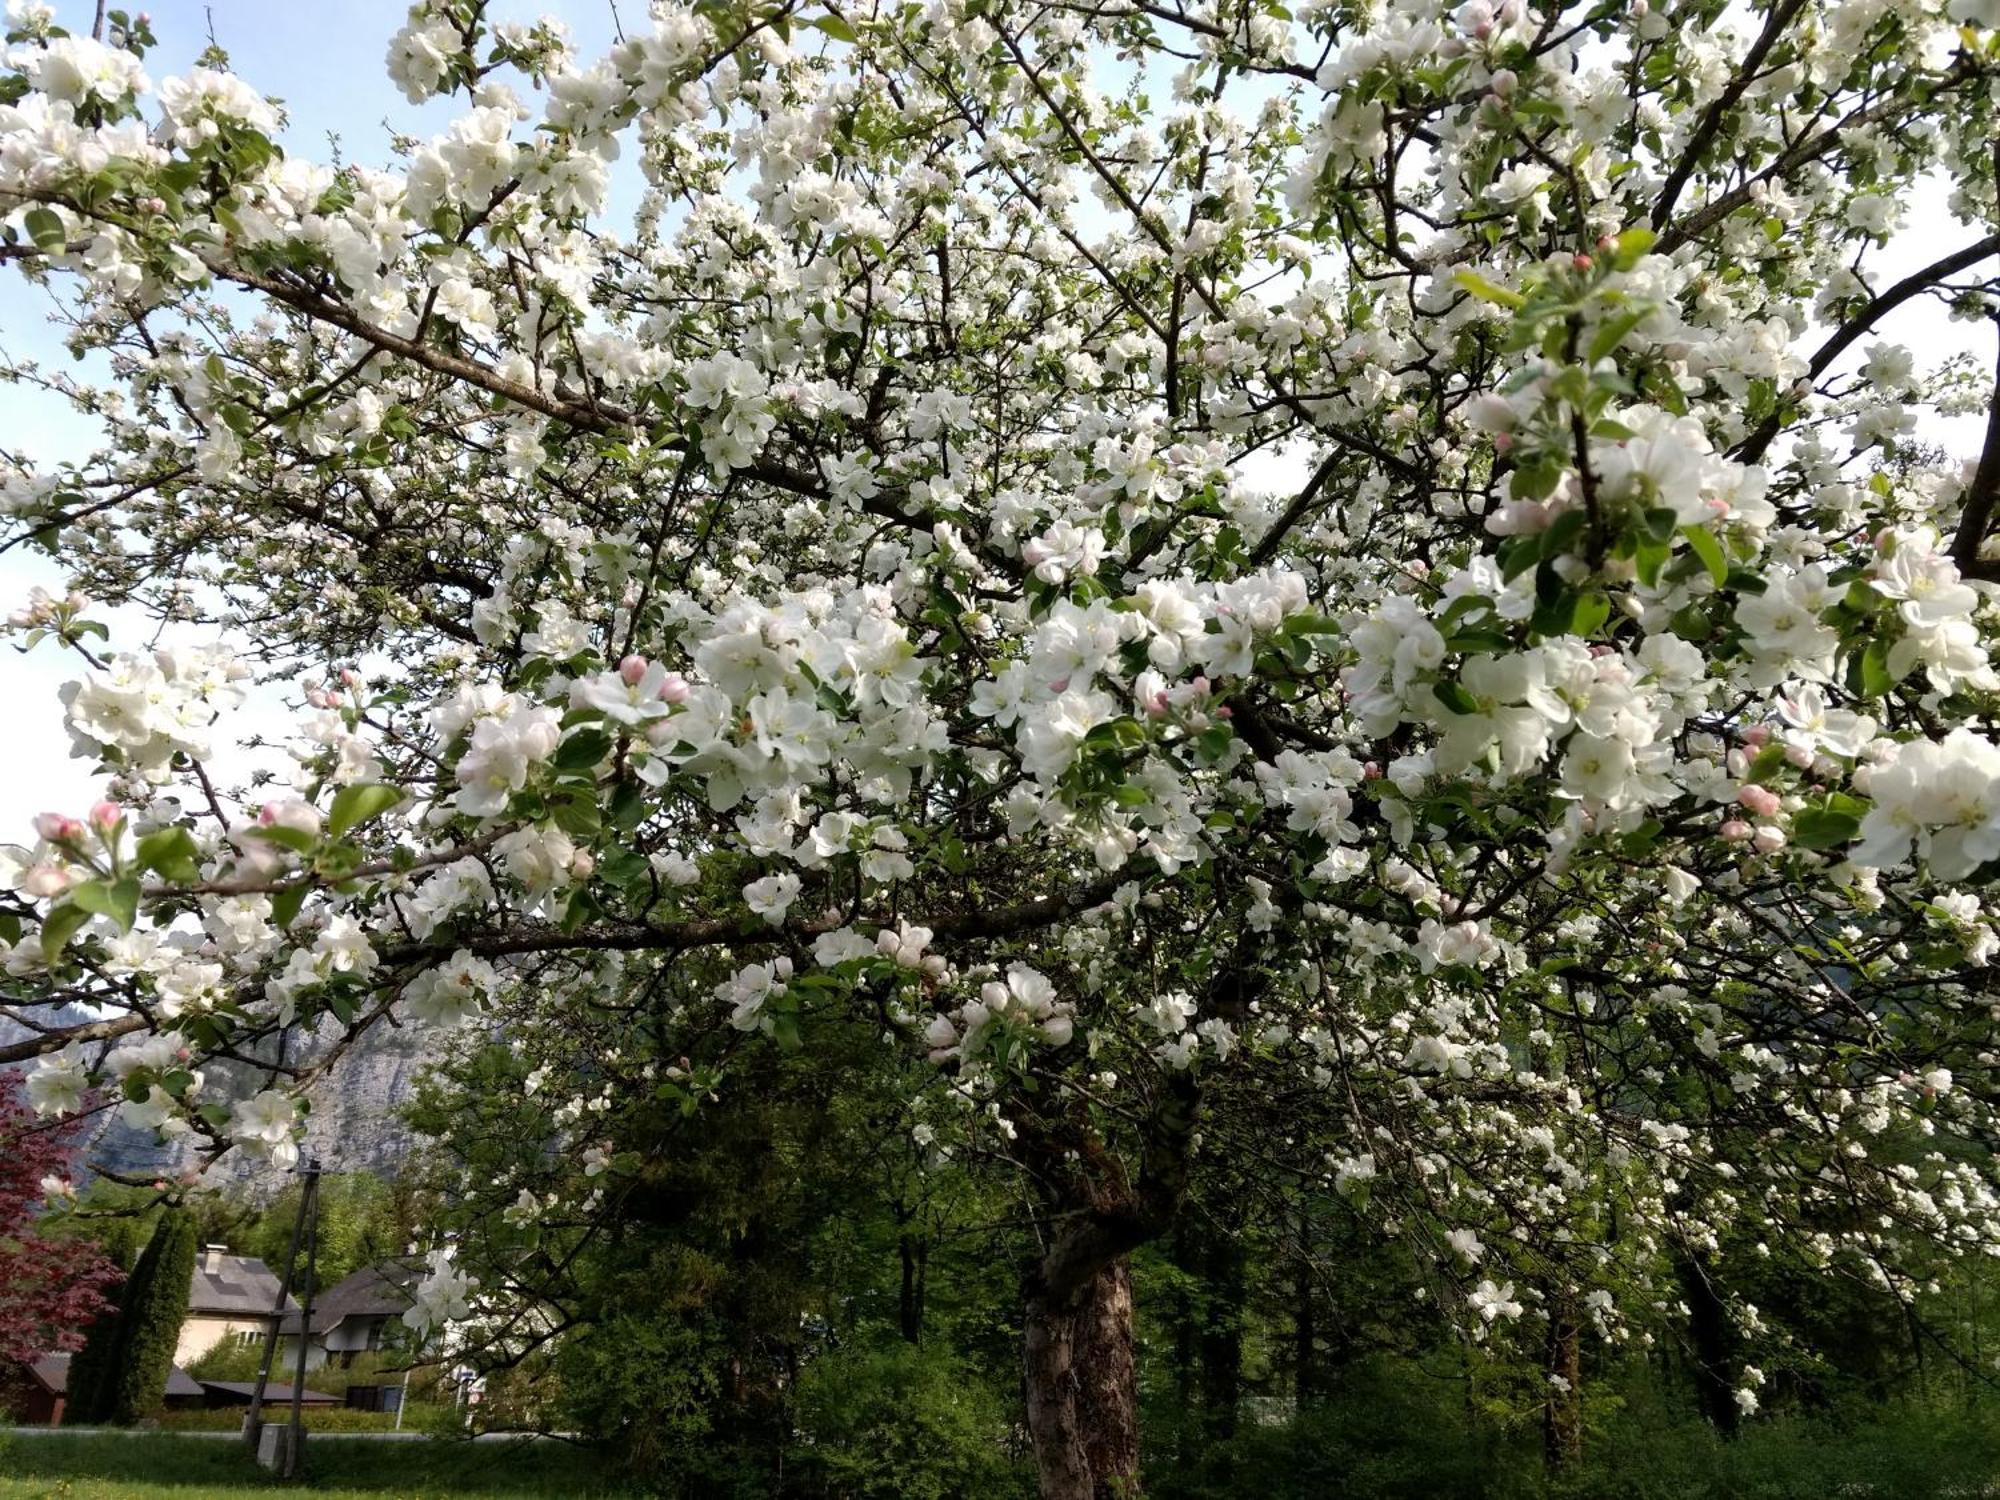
column 1082, row 1386
column 1562, row 1411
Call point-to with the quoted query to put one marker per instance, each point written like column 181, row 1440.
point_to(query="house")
column 231, row 1297
column 44, row 1393
column 354, row 1314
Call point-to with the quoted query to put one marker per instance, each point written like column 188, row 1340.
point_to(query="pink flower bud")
column 631, row 670
column 674, row 689
column 583, row 865
column 107, row 815
column 319, row 698
column 1760, row 800
column 1800, row 756
column 1768, row 840
column 1756, row 735
column 1503, row 442
column 1224, row 711
column 1736, row 830
column 55, row 827
column 349, row 677
column 1582, row 262
column 1371, row 770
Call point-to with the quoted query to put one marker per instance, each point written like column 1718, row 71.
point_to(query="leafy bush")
column 899, row 1423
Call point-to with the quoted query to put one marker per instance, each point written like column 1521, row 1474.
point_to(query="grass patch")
column 164, row 1466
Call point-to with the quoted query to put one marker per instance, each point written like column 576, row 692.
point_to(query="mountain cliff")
column 355, row 1124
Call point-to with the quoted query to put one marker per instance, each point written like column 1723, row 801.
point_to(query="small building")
column 354, row 1315
column 231, row 1297
column 44, row 1393
column 38, row 1397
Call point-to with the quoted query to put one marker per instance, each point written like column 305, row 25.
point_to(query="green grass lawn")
column 108, row 1466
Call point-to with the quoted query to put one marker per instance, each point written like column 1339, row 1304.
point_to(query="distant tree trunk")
column 1708, row 1331
column 1562, row 1411
column 1083, row 1385
column 1222, row 1335
column 915, row 1254
column 1305, row 1333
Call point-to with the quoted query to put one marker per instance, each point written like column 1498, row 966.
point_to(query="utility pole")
column 295, row 1448
column 304, row 1228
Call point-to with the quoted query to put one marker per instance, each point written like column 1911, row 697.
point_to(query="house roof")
column 52, row 1370
column 239, row 1286
column 378, row 1291
column 275, row 1394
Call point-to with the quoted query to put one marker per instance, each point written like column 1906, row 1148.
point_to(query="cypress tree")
column 150, row 1314
column 90, row 1367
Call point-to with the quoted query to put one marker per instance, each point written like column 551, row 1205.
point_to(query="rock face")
column 355, row 1124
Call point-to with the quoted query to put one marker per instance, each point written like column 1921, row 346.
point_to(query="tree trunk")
column 1083, row 1385
column 1708, row 1331
column 1305, row 1333
column 1562, row 1412
column 915, row 1255
column 1222, row 1337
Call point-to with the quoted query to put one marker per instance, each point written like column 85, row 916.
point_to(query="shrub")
column 900, row 1423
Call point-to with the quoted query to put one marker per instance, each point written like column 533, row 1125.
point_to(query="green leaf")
column 1454, row 696
column 582, row 750
column 171, row 853
column 46, row 228
column 1592, row 610
column 1868, row 672
column 295, row 839
column 577, row 816
column 834, row 27
column 58, row 927
column 361, row 803
column 1823, row 828
column 1629, row 246
column 1767, row 764
column 118, row 900
column 285, row 903
column 1709, row 550
column 1648, row 558
column 1563, row 532
column 1488, row 291
column 1611, row 334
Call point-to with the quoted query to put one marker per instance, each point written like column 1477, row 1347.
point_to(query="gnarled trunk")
column 1083, row 1384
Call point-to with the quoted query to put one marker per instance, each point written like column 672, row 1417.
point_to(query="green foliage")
column 1401, row 1430
column 236, row 1359
column 150, row 1314
column 900, row 1423
column 362, row 1220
